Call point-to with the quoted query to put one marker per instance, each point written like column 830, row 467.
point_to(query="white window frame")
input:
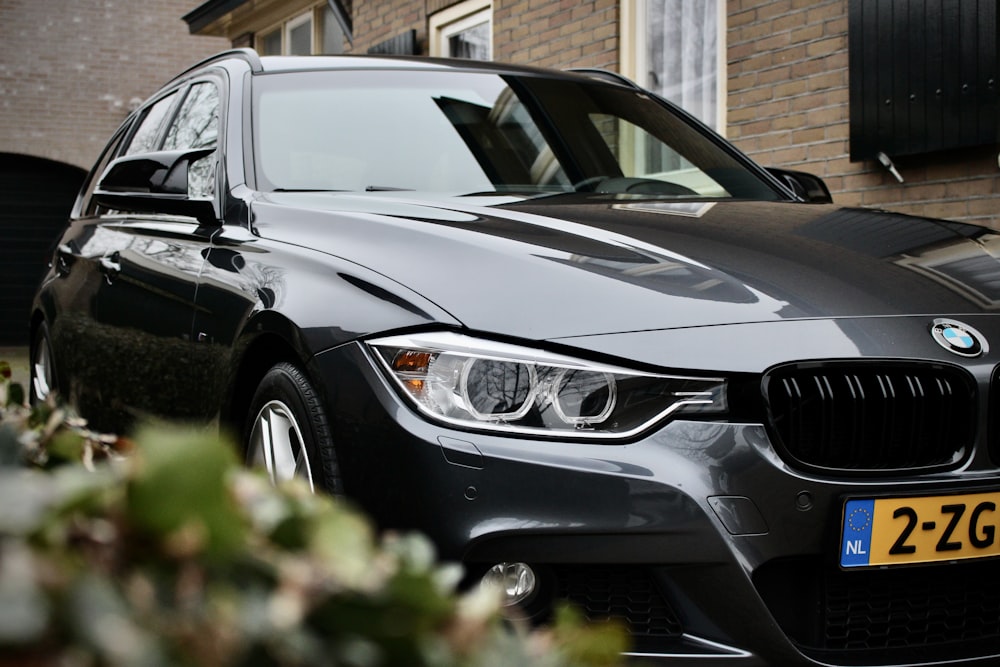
column 295, row 22
column 447, row 22
column 260, row 34
column 286, row 25
column 634, row 52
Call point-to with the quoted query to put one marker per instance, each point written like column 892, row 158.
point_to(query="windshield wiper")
column 386, row 188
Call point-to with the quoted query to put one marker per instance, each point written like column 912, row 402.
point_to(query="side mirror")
column 808, row 187
column 155, row 183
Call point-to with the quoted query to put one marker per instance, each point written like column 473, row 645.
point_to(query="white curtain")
column 682, row 52
column 472, row 43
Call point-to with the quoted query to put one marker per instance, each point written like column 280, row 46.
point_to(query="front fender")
column 261, row 301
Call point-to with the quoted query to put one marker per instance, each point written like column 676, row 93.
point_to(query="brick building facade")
column 70, row 70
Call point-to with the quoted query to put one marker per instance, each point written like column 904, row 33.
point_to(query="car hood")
column 571, row 266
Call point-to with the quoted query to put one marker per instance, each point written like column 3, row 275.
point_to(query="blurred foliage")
column 167, row 552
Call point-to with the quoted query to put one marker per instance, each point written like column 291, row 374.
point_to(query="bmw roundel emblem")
column 958, row 338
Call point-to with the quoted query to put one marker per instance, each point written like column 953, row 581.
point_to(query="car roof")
column 273, row 64
column 334, row 62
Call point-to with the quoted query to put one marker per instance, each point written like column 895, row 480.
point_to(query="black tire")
column 42, row 382
column 287, row 431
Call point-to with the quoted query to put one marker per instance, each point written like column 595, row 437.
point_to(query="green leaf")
column 345, row 543
column 595, row 644
column 66, row 446
column 15, row 394
column 179, row 492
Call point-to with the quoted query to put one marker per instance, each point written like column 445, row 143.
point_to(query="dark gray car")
column 579, row 340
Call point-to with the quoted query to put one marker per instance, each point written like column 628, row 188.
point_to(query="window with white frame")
column 464, row 30
column 299, row 35
column 676, row 48
column 316, row 31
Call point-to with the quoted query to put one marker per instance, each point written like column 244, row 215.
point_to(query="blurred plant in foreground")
column 168, row 552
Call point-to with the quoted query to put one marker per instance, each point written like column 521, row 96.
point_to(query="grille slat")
column 856, row 411
column 877, row 616
column 868, row 417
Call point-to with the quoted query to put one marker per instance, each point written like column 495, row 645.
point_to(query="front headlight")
column 475, row 383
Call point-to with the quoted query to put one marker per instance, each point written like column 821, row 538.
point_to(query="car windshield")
column 483, row 133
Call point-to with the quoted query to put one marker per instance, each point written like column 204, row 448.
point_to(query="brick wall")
column 568, row 33
column 69, row 69
column 379, row 20
column 788, row 106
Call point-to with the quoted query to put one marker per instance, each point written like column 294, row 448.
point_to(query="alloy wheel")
column 41, row 367
column 276, row 443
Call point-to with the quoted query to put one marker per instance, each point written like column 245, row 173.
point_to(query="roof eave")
column 209, row 12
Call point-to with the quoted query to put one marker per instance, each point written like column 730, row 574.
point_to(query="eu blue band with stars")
column 855, row 547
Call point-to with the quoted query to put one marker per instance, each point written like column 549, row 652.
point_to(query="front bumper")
column 697, row 536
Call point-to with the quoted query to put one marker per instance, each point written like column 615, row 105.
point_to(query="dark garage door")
column 36, row 196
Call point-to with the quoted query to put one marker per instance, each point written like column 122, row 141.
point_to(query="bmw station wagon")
column 583, row 343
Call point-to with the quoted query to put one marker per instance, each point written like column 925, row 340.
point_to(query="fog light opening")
column 515, row 581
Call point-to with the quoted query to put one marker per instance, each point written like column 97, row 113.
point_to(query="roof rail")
column 249, row 55
column 605, row 75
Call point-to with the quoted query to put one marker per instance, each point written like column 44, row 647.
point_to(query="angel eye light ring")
column 557, row 403
column 544, row 388
column 526, row 403
column 708, row 397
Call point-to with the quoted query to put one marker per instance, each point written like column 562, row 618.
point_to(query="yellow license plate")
column 893, row 531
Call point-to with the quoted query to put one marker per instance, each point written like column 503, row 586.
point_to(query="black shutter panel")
column 923, row 76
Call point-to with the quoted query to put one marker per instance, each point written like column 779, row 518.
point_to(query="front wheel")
column 288, row 432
